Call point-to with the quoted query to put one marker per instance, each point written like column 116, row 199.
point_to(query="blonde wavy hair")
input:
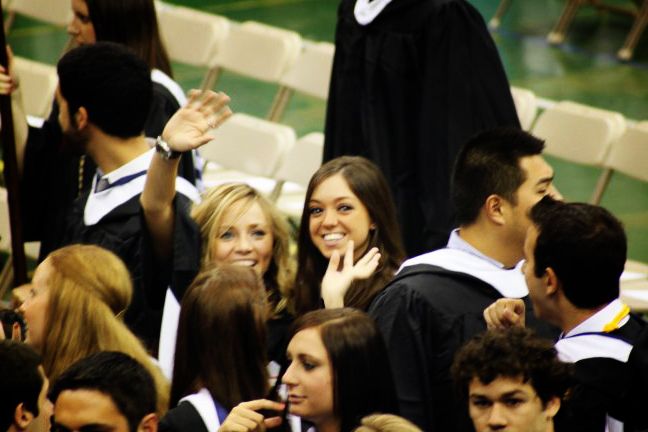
column 386, row 423
column 89, row 291
column 209, row 213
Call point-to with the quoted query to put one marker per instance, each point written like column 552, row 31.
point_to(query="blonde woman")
column 75, row 306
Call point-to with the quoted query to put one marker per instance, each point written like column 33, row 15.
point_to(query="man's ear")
column 551, row 408
column 81, row 117
column 551, row 281
column 493, row 207
column 149, row 423
column 22, row 417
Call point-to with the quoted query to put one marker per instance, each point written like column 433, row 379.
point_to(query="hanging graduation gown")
column 407, row 90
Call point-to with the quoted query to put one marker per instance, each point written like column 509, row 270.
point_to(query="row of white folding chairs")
column 251, row 49
column 266, row 155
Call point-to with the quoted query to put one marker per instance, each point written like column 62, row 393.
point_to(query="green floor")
column 584, row 69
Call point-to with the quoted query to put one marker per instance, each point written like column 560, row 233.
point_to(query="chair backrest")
column 303, row 160
column 630, row 154
column 258, row 51
column 525, row 105
column 56, row 12
column 311, row 72
column 191, row 36
column 579, row 133
column 249, row 144
column 38, row 83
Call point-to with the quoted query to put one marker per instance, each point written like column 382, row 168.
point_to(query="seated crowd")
column 156, row 307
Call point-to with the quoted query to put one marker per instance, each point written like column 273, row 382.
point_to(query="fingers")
column 334, row 262
column 367, row 265
column 2, row 333
column 214, row 121
column 348, row 256
column 272, row 422
column 259, row 404
column 505, row 313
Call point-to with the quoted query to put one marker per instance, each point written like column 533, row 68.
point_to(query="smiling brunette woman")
column 349, row 216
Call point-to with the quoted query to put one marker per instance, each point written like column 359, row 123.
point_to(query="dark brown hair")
column 132, row 23
column 221, row 341
column 512, row 353
column 351, row 338
column 367, row 182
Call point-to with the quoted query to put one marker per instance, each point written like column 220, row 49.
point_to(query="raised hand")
column 188, row 127
column 336, row 280
column 245, row 418
column 505, row 313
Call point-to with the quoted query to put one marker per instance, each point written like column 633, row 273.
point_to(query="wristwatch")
column 162, row 148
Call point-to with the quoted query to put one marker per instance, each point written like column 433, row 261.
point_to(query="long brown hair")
column 351, row 338
column 221, row 337
column 367, row 182
column 208, row 214
column 132, row 23
column 90, row 289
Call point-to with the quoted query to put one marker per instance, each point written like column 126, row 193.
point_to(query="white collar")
column 99, row 204
column 365, row 11
column 597, row 322
column 460, row 257
column 174, row 88
column 206, row 408
column 456, row 242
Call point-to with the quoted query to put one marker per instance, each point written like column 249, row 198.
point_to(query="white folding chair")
column 525, row 105
column 247, row 149
column 55, row 12
column 257, row 51
column 310, row 75
column 38, row 82
column 629, row 156
column 192, row 37
column 296, row 171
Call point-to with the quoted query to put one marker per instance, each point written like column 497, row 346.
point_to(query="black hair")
column 21, row 381
column 132, row 23
column 111, row 83
column 586, row 247
column 489, row 163
column 512, row 353
column 117, row 375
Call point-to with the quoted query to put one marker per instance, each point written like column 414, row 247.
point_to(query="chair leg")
column 6, row 276
column 557, row 35
column 639, row 25
column 601, row 185
column 210, row 78
column 11, row 17
column 503, row 6
column 279, row 104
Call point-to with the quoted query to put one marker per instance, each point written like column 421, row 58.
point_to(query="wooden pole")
column 11, row 176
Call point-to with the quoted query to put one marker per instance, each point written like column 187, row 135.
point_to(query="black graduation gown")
column 610, row 386
column 183, row 418
column 50, row 181
column 425, row 315
column 407, row 90
column 122, row 231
